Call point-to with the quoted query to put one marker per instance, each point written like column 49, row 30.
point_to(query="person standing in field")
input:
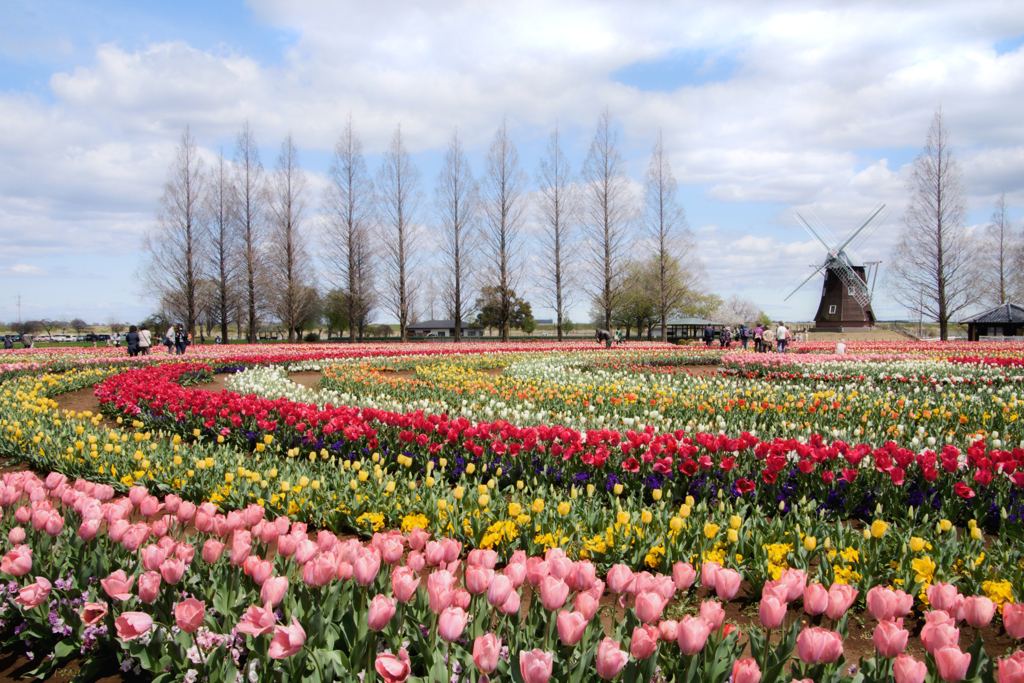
column 145, row 341
column 769, row 340
column 782, row 337
column 131, row 340
column 180, row 339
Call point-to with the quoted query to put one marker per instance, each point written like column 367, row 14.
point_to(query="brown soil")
column 14, row 666
column 308, row 378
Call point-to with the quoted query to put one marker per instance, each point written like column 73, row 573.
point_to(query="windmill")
column 845, row 295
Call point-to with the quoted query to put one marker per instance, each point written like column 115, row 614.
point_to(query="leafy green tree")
column 490, row 306
column 336, row 311
column 529, row 324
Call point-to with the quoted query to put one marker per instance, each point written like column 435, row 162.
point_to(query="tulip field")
column 525, row 512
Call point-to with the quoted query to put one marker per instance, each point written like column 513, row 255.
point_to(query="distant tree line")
column 234, row 243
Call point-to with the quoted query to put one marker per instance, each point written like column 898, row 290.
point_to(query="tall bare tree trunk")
column 222, row 207
column 676, row 264
column 175, row 246
column 933, row 267
column 345, row 246
column 398, row 200
column 504, row 204
column 291, row 269
column 455, row 202
column 558, row 209
column 251, row 187
column 610, row 209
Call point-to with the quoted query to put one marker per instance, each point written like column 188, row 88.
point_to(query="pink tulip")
column 88, row 529
column 943, row 596
column 499, row 590
column 978, row 610
column 452, row 623
column 610, row 659
column 150, row 506
column 952, row 664
column 418, row 539
column 536, row 570
column 644, row 642
column 649, row 607
column 586, row 605
column 815, row 599
column 906, row 669
column 668, row 630
column 452, row 549
column 477, row 579
column 319, row 572
column 257, row 620
column 1011, row 669
column 22, row 515
column 404, row 584
column 365, row 569
column 172, row 570
column 392, row 551
column 795, row 580
column 819, row 646
column 772, row 612
column 885, row 603
column 516, row 573
column 287, row 545
column 553, row 593
column 262, row 571
column 18, row 561
column 713, row 613
column 287, row 641
column 93, row 613
column 776, row 589
column 511, row 605
column 708, row 572
column 745, row 671
column 131, row 625
column 273, row 590
column 393, row 669
column 1013, row 619
column 840, row 598
column 683, row 575
column 137, row 494
column 560, row 568
column 135, row 536
column 434, row 553
column 152, row 557
column 692, row 633
column 186, row 512
column 571, row 626
column 461, row 598
column 486, row 651
column 890, row 638
column 439, row 590
column 34, row 594
column 305, row 551
column 619, row 579
column 149, row 587
column 938, row 636
column 535, row 665
column 415, row 561
column 381, row 610
column 118, row 585
column 212, row 551
column 479, row 557
column 727, row 584
column 189, row 614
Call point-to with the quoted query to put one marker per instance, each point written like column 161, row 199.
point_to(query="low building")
column 1002, row 323
column 442, row 328
column 686, row 328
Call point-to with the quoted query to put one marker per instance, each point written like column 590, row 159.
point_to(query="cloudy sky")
column 767, row 109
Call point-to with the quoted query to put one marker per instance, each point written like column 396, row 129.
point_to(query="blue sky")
column 766, row 109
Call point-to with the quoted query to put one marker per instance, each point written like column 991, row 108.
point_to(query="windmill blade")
column 823, row 230
column 853, row 282
column 863, row 225
column 817, row 270
column 868, row 233
column 813, row 232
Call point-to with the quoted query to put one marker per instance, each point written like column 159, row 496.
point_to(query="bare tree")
column 174, row 246
column 504, row 203
column 455, row 203
column 398, row 201
column 345, row 245
column 291, row 269
column 932, row 270
column 1001, row 260
column 221, row 207
column 558, row 205
column 250, row 185
column 675, row 251
column 609, row 209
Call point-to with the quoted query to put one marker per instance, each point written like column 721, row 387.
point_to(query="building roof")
column 690, row 321
column 1004, row 313
column 437, row 325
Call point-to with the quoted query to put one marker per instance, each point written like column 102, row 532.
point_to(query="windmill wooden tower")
column 845, row 295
